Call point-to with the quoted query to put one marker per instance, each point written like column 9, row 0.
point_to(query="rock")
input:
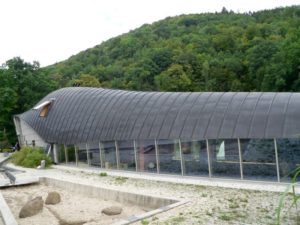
column 32, row 207
column 52, row 198
column 111, row 211
column 42, row 166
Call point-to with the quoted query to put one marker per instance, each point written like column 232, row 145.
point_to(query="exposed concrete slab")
column 7, row 215
column 154, row 204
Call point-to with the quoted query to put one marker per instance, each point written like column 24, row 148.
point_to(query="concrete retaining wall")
column 144, row 201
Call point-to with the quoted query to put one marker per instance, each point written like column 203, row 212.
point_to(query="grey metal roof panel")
column 91, row 114
column 247, row 109
column 260, row 117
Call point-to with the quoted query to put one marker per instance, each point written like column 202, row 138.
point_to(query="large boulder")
column 32, row 207
column 113, row 210
column 53, row 198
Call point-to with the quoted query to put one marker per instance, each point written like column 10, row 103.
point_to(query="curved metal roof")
column 81, row 114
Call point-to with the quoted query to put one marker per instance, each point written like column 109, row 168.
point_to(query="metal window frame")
column 76, row 155
column 66, row 155
column 157, row 156
column 117, row 154
column 181, row 159
column 276, row 158
column 240, row 158
column 208, row 158
column 135, row 155
column 100, row 155
column 88, row 154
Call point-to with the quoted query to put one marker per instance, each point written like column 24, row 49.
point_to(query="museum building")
column 237, row 135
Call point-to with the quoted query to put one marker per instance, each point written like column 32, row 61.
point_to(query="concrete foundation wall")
column 145, row 201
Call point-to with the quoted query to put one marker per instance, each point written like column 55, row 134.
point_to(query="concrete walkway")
column 215, row 182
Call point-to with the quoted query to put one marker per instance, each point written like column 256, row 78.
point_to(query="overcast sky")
column 52, row 30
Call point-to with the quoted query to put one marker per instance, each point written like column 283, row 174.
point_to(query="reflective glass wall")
column 249, row 159
column 169, row 156
column 127, row 155
column 288, row 157
column 146, row 156
column 94, row 154
column 194, row 156
column 258, row 159
column 224, row 158
column 108, row 154
column 81, row 153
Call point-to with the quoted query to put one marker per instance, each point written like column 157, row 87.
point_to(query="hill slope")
column 204, row 52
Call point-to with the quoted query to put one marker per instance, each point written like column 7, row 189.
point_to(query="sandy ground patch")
column 73, row 208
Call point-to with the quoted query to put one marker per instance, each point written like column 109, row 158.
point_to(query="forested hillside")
column 204, row 52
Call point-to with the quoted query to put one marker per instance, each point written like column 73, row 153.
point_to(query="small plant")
column 145, row 222
column 103, row 174
column 121, row 180
column 296, row 197
column 7, row 150
column 30, row 157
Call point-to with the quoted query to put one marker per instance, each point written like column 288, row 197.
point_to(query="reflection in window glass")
column 81, row 154
column 169, row 156
column 109, row 154
column 94, row 154
column 126, row 155
column 258, row 156
column 224, row 156
column 289, row 157
column 61, row 154
column 194, row 154
column 70, row 149
column 146, row 156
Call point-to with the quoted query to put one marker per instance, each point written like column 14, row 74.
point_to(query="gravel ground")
column 207, row 204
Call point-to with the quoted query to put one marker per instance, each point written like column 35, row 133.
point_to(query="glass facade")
column 94, row 154
column 258, row 159
column 108, row 154
column 70, row 154
column 169, row 156
column 146, row 156
column 127, row 155
column 249, row 159
column 81, row 154
column 288, row 157
column 194, row 156
column 224, row 158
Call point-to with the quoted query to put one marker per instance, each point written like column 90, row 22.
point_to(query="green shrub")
column 30, row 157
column 6, row 150
column 103, row 174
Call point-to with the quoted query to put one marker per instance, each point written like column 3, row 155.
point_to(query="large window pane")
column 126, row 154
column 61, row 154
column 288, row 157
column 81, row 154
column 94, row 154
column 224, row 156
column 109, row 154
column 258, row 156
column 146, row 156
column 70, row 150
column 194, row 154
column 169, row 156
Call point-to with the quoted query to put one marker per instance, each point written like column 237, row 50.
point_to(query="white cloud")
column 52, row 30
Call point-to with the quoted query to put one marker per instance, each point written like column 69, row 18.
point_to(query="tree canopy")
column 223, row 51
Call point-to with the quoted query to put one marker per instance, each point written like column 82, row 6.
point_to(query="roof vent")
column 44, row 107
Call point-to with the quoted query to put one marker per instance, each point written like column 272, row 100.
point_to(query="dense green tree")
column 85, row 80
column 224, row 51
column 22, row 84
